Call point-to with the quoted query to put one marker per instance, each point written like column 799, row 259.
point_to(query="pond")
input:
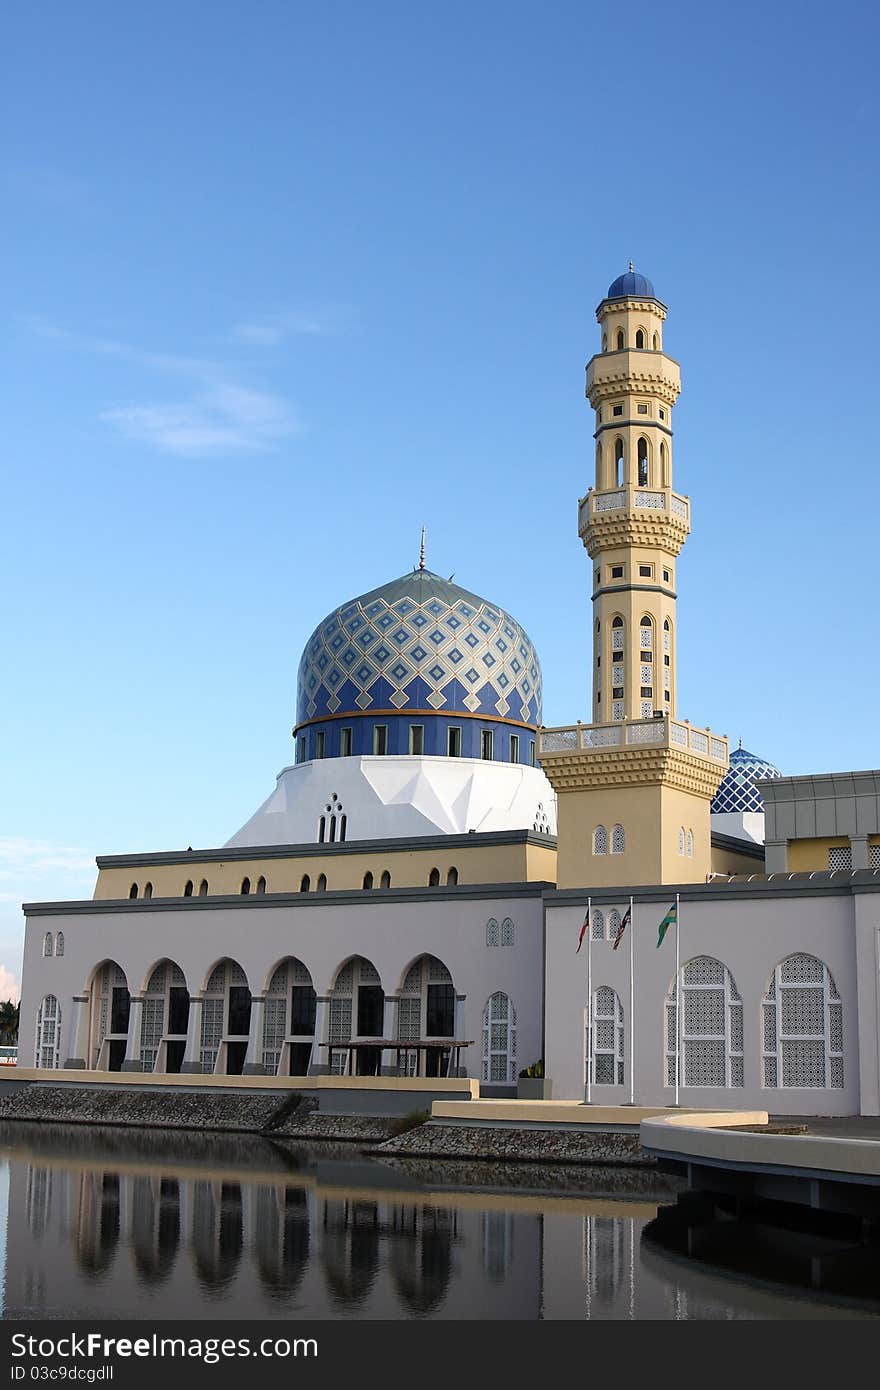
column 154, row 1224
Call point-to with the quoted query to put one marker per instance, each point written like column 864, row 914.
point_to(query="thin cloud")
column 272, row 329
column 221, row 416
column 226, row 419
column 9, row 985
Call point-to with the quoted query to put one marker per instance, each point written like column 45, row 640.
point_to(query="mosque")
column 439, row 885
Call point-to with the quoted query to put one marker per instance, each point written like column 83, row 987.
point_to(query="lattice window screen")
column 840, row 857
column 48, row 1033
column 499, row 1039
column 409, row 1015
column 711, row 1042
column 274, row 1028
column 212, row 1032
column 278, row 982
column 597, row 925
column 507, row 932
column 493, row 937
column 606, row 1052
column 802, row 1017
column 874, row 856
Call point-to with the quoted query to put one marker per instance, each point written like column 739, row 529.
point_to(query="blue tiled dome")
column 631, row 285
column 738, row 791
column 427, row 650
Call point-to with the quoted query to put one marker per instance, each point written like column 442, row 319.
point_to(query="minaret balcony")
column 634, row 499
column 660, row 732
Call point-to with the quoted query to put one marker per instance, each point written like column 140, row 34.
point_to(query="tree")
column 9, row 1021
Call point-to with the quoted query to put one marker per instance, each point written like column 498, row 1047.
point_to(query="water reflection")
column 149, row 1225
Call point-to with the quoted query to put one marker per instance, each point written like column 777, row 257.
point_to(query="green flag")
column 667, row 922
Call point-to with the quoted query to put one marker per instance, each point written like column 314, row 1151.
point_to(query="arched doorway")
column 289, row 1022
column 109, row 1009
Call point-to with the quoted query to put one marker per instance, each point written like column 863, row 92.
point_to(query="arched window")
column 148, row 890
column 802, row 1033
column 621, row 340
column 305, row 884
column 656, row 342
column 48, row 1033
column 605, row 1039
column 342, row 824
column 711, row 1040
column 434, row 878
column 188, row 888
column 618, row 463
column 613, row 923
column 452, row 878
column 642, row 454
column 322, row 830
column 618, row 840
column 133, row 891
column 332, row 830
column 385, row 881
column 59, row 944
column 681, row 839
column 245, row 886
column 321, row 885
column 368, row 880
column 604, row 342
column 493, row 937
column 646, row 633
column 664, row 464
column 203, row 888
column 507, row 932
column 261, row 884
column 600, row 840
column 597, row 924
column 499, row 1039
column 690, row 844
column 640, row 338
column 47, row 944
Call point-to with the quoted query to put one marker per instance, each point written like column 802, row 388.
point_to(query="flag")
column 583, row 929
column 667, row 922
column 621, row 929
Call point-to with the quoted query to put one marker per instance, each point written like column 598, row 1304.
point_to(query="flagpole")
column 589, row 999
column 678, row 1007
column 632, row 1011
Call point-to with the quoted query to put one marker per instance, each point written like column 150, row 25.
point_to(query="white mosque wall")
column 397, row 797
column 750, row 935
column 391, row 931
column 742, row 825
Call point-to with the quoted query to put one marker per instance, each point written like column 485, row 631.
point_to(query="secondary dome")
column 419, row 648
column 738, row 791
column 631, row 285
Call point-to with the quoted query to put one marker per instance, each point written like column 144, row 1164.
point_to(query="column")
column 78, row 1034
column 859, row 845
column 319, row 1063
column 133, row 1045
column 253, row 1058
column 775, row 856
column 388, row 1061
column 459, row 1033
column 192, row 1060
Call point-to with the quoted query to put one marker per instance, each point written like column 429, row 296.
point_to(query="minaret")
column 634, row 785
column 631, row 522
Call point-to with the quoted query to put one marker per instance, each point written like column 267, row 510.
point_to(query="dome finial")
column 631, row 267
column 740, row 743
column 422, row 551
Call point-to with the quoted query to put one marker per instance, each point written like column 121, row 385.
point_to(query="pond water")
column 148, row 1224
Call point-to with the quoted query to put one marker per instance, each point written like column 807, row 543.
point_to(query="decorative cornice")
column 645, row 303
column 634, row 765
column 452, row 714
column 640, row 527
column 230, row 853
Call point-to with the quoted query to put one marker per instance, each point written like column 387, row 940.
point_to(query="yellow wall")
column 804, row 855
column 726, row 861
column 516, row 863
column 651, row 815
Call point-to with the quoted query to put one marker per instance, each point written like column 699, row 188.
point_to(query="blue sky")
column 285, row 281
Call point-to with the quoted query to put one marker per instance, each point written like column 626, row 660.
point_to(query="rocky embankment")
column 291, row 1116
column 436, row 1140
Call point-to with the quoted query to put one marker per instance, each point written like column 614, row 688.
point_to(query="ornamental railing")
column 635, row 499
column 661, row 732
